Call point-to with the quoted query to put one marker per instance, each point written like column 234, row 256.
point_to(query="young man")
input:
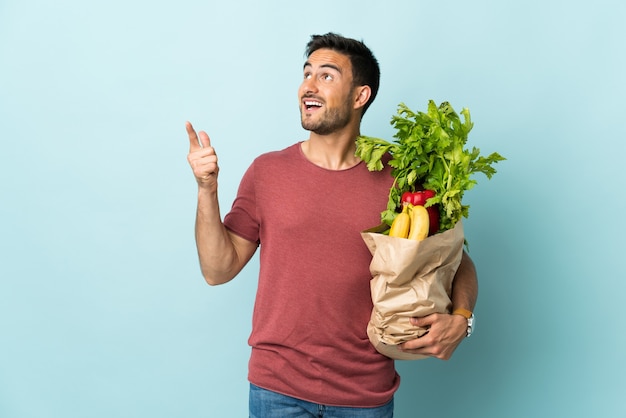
column 305, row 207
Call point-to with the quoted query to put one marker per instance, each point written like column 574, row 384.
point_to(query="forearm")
column 217, row 253
column 465, row 285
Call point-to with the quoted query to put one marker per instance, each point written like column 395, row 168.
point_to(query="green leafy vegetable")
column 429, row 153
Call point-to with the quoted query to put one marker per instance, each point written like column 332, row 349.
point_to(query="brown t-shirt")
column 309, row 328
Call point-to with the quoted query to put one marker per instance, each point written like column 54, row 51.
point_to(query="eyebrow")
column 332, row 66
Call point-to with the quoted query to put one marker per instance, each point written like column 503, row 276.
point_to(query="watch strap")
column 467, row 315
column 463, row 312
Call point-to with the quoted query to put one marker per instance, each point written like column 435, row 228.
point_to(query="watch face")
column 470, row 325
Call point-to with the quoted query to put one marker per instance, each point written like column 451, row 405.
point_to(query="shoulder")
column 276, row 161
column 286, row 154
column 273, row 164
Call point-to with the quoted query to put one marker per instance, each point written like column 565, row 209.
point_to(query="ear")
column 362, row 95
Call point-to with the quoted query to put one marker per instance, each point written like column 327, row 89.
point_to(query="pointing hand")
column 202, row 158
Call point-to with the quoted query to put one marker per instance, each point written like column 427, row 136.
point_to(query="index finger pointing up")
column 194, row 144
column 197, row 141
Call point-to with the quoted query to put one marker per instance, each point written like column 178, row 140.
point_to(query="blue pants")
column 267, row 404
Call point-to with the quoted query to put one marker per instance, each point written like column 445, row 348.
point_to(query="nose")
column 308, row 86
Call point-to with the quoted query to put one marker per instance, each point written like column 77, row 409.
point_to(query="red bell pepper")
column 420, row 198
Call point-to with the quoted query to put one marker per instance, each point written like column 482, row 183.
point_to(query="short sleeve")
column 243, row 218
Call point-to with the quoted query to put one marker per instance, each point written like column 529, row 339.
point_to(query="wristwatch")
column 470, row 319
column 470, row 325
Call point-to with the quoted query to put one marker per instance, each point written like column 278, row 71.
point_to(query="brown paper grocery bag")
column 409, row 279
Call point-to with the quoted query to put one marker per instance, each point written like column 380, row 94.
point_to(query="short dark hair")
column 365, row 69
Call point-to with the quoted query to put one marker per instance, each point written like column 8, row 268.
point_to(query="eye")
column 307, row 76
column 327, row 77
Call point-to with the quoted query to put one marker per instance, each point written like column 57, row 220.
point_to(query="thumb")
column 205, row 141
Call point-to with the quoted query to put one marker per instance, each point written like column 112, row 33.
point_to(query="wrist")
column 469, row 317
column 206, row 192
column 463, row 312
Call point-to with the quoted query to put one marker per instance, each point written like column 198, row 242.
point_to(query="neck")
column 333, row 152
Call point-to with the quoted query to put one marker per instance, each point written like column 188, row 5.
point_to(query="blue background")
column 103, row 312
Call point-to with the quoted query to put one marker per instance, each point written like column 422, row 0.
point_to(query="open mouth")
column 312, row 104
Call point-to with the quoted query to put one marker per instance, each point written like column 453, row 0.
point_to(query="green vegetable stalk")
column 429, row 153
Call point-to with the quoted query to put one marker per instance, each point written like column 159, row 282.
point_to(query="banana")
column 401, row 224
column 420, row 223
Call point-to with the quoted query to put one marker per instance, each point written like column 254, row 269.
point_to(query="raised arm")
column 222, row 254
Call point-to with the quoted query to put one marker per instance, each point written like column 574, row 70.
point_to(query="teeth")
column 312, row 103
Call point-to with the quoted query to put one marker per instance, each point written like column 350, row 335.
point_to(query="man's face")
column 326, row 92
